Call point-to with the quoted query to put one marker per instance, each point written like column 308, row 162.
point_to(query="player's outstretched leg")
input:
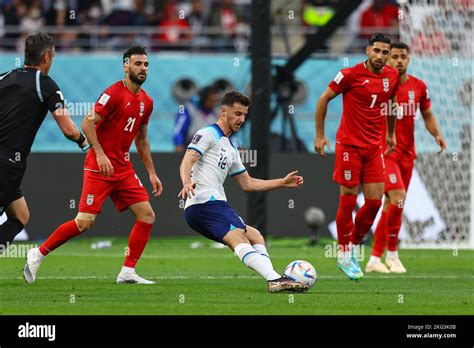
column 375, row 264
column 137, row 242
column 63, row 233
column 258, row 242
column 240, row 244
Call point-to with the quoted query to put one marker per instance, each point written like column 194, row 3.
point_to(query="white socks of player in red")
column 257, row 260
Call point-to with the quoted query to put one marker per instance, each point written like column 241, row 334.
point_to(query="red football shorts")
column 355, row 165
column 397, row 173
column 124, row 189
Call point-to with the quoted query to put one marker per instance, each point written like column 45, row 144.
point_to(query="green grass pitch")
column 205, row 281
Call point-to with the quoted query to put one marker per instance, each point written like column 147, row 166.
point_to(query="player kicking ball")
column 119, row 117
column 209, row 158
column 368, row 94
column 412, row 95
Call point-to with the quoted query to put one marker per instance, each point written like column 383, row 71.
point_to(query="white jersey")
column 219, row 158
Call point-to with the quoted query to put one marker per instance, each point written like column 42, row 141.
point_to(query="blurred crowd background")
column 202, row 25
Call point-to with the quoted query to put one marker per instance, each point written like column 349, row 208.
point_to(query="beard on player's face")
column 137, row 78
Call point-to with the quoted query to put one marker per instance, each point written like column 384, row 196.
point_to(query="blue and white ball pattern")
column 301, row 271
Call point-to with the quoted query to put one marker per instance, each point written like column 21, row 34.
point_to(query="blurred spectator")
column 382, row 14
column 224, row 15
column 430, row 40
column 198, row 112
column 173, row 26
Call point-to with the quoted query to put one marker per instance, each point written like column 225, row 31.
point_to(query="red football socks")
column 344, row 221
column 62, row 234
column 136, row 242
column 364, row 219
column 394, row 222
column 380, row 236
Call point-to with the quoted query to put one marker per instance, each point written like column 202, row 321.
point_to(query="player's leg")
column 346, row 174
column 365, row 217
column 394, row 222
column 17, row 217
column 258, row 242
column 12, row 202
column 130, row 194
column 95, row 190
column 60, row 236
column 375, row 264
column 393, row 259
column 137, row 241
column 238, row 242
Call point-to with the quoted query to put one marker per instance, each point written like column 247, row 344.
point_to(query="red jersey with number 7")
column 122, row 113
column 365, row 103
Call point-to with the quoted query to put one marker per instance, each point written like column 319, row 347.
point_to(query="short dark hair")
column 234, row 97
column 379, row 37
column 401, row 45
column 36, row 46
column 134, row 50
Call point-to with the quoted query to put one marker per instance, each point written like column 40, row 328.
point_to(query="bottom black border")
column 223, row 331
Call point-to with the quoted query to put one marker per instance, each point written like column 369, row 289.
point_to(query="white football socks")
column 254, row 260
column 374, row 259
column 392, row 254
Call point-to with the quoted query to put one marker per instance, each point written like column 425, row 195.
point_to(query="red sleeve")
column 107, row 103
column 425, row 102
column 148, row 114
column 342, row 81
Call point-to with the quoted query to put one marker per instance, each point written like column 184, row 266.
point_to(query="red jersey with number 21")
column 365, row 97
column 123, row 113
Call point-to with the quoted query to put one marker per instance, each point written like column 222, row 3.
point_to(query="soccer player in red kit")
column 120, row 116
column 412, row 95
column 368, row 90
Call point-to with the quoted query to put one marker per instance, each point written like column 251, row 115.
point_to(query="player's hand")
column 156, row 185
column 187, row 191
column 442, row 144
column 319, row 144
column 105, row 167
column 391, row 142
column 292, row 180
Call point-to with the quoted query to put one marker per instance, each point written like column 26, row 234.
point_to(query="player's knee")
column 147, row 216
column 398, row 198
column 254, row 235
column 84, row 225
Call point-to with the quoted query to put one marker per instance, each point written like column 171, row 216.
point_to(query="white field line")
column 243, row 277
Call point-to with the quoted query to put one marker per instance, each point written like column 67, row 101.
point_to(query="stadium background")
column 203, row 49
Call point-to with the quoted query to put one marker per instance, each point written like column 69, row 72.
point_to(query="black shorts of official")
column 11, row 175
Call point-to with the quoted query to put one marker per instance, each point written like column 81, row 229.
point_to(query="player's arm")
column 391, row 120
column 68, row 127
column 249, row 184
column 190, row 158
column 52, row 96
column 321, row 111
column 432, row 126
column 88, row 127
column 143, row 149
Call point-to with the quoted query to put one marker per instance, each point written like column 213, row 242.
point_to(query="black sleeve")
column 51, row 93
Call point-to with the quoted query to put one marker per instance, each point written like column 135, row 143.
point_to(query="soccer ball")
column 301, row 271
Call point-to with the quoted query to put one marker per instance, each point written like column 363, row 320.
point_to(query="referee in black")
column 26, row 95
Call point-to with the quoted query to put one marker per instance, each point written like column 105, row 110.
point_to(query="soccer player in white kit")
column 209, row 158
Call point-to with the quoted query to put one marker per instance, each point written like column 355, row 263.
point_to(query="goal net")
column 438, row 211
